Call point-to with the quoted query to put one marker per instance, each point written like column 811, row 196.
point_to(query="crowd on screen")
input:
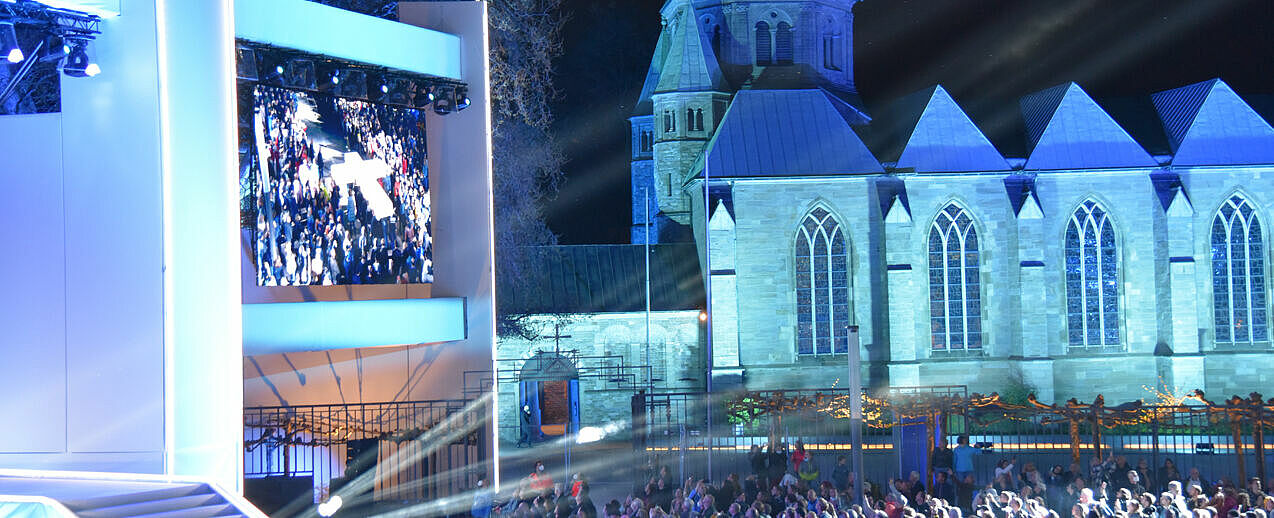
column 796, row 484
column 314, row 230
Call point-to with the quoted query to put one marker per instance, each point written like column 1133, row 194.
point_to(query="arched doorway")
column 548, row 397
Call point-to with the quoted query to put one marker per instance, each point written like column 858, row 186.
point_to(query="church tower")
column 707, row 51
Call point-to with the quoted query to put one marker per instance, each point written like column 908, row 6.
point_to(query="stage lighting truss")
column 288, row 68
column 52, row 35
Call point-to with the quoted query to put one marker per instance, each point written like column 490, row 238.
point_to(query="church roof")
column 645, row 106
column 1208, row 124
column 931, row 133
column 767, row 133
column 1067, row 129
column 610, row 279
column 690, row 65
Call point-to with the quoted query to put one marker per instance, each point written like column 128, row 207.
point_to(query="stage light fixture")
column 462, row 97
column 300, row 74
column 9, row 43
column 444, row 99
column 79, row 61
column 353, row 83
column 245, row 63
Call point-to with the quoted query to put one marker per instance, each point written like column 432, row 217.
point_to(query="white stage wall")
column 126, row 330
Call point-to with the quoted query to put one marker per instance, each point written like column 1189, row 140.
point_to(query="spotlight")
column 9, row 43
column 330, row 507
column 396, row 90
column 78, row 61
column 462, row 97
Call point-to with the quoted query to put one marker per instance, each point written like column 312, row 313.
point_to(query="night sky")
column 986, row 53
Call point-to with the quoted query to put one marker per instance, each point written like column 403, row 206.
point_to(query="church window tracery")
column 822, row 285
column 784, row 50
column 1092, row 280
column 1238, row 276
column 954, row 281
column 764, row 52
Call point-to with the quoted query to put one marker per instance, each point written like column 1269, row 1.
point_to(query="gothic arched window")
column 784, row 51
column 1092, row 280
column 699, row 119
column 822, row 285
column 764, row 53
column 690, row 119
column 1238, row 275
column 954, row 282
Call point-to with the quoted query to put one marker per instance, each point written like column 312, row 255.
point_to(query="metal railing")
column 412, row 450
column 674, row 432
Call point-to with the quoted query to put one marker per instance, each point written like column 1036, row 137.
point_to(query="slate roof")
column 1067, row 129
column 769, row 133
column 610, row 279
column 690, row 65
column 944, row 139
column 1208, row 124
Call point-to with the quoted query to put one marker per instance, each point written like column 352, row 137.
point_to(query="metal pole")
column 707, row 304
column 650, row 373
column 856, row 416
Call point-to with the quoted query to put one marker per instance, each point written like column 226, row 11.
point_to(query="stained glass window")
column 1238, row 276
column 955, row 293
column 1092, row 281
column 822, row 285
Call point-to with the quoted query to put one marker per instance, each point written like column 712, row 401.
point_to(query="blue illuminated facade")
column 1101, row 249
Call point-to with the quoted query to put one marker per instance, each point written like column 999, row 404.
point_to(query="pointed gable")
column 1208, row 124
column 1066, row 129
column 690, row 65
column 787, row 133
column 944, row 139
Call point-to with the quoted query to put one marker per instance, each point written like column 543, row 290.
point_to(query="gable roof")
column 1066, row 129
column 690, row 65
column 1208, row 124
column 944, row 139
column 608, row 279
column 768, row 133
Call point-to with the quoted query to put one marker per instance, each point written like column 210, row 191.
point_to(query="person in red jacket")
column 540, row 481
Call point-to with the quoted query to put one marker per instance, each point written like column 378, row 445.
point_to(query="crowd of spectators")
column 794, row 484
column 312, row 229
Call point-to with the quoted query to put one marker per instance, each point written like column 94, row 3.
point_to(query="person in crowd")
column 1133, row 483
column 942, row 459
column 943, row 487
column 842, row 473
column 1194, row 478
column 1167, row 474
column 482, row 499
column 539, row 481
column 963, row 457
column 1254, row 490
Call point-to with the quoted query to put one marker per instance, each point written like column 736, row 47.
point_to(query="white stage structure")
column 124, row 329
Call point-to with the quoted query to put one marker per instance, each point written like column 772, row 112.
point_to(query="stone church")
column 1104, row 246
column 1107, row 246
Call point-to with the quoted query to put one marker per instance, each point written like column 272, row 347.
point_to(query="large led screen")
column 339, row 189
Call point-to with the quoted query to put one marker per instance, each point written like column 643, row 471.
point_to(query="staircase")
column 98, row 495
column 185, row 501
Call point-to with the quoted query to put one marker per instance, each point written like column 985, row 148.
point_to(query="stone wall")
column 1165, row 300
column 676, row 339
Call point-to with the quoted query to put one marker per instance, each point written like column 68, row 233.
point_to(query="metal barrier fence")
column 411, row 451
column 674, row 431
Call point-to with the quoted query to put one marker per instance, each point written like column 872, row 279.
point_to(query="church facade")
column 1105, row 246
